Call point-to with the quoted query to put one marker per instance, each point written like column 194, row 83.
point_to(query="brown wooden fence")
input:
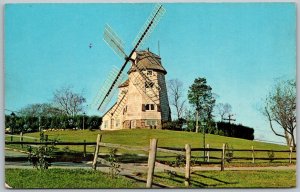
column 153, row 149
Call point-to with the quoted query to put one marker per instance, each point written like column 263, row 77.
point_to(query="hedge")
column 31, row 124
column 217, row 128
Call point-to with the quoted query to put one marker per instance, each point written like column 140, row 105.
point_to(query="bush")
column 233, row 130
column 174, row 125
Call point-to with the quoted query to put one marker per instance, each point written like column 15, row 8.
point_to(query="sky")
column 241, row 49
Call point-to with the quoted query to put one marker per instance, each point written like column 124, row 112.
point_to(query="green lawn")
column 140, row 137
column 232, row 179
column 65, row 178
column 166, row 138
column 79, row 178
column 57, row 178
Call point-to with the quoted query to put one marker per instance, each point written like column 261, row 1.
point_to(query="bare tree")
column 175, row 90
column 223, row 109
column 40, row 109
column 69, row 102
column 280, row 108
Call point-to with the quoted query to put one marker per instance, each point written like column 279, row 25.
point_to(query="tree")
column 223, row 109
column 175, row 90
column 189, row 116
column 280, row 108
column 40, row 109
column 201, row 97
column 69, row 102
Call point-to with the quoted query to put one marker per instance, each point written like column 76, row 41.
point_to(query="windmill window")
column 105, row 124
column 149, row 72
column 149, row 84
column 149, row 107
column 151, row 122
column 117, row 122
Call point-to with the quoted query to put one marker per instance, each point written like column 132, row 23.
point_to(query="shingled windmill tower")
column 142, row 98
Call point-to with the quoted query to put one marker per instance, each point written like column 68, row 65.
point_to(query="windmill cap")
column 148, row 60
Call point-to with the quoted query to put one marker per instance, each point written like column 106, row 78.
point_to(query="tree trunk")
column 197, row 126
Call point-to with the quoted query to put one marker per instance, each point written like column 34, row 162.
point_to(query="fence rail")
column 153, row 149
column 173, row 150
column 126, row 147
column 49, row 143
column 31, row 143
column 21, row 136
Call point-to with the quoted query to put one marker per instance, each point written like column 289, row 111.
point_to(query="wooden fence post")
column 187, row 165
column 291, row 152
column 223, row 157
column 99, row 137
column 207, row 152
column 21, row 138
column 151, row 162
column 253, row 159
column 84, row 148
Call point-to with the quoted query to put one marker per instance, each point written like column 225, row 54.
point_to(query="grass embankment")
column 65, row 178
column 166, row 138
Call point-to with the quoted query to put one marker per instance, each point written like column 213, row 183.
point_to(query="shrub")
column 228, row 153
column 114, row 165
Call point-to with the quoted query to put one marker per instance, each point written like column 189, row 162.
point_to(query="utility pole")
column 229, row 118
column 13, row 116
column 204, row 124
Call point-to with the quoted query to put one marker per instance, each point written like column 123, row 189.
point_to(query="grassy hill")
column 166, row 138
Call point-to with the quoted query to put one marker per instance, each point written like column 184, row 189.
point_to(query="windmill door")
column 132, row 124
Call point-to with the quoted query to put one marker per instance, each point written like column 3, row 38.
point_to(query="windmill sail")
column 119, row 105
column 105, row 88
column 116, row 44
column 149, row 25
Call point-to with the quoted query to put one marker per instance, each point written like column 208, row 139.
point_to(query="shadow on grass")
column 173, row 177
column 215, row 179
column 144, row 181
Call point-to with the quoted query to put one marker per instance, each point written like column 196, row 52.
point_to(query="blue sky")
column 241, row 49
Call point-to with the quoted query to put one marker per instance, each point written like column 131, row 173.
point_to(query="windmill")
column 147, row 86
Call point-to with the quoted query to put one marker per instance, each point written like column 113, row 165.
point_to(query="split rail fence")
column 186, row 152
column 152, row 151
column 19, row 140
